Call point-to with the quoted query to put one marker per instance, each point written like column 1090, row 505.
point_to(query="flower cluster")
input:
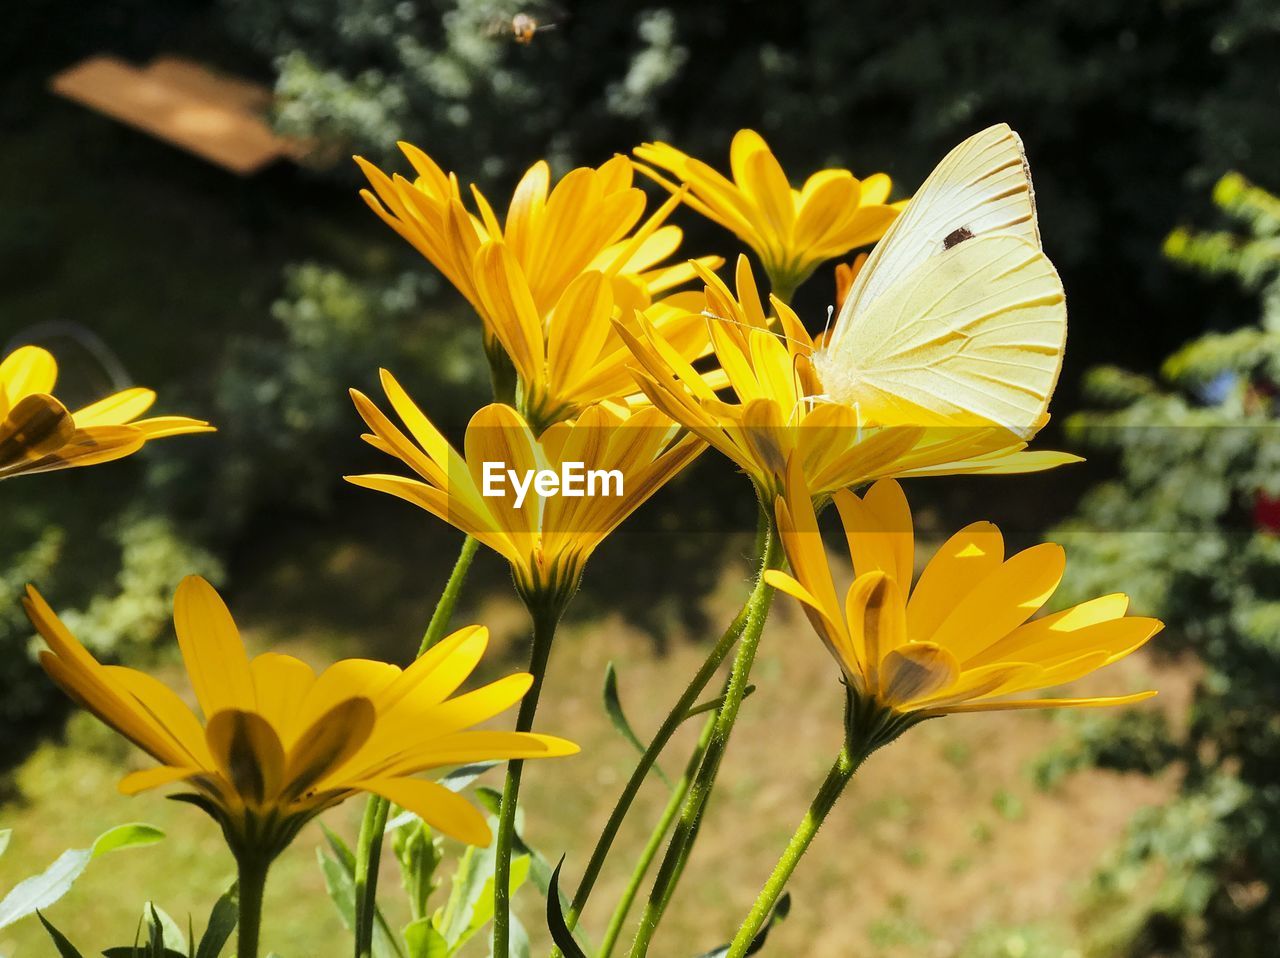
column 612, row 356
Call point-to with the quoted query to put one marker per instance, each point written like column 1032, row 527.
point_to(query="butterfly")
column 957, row 316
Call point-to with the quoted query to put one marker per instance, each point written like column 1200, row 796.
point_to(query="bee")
column 522, row 26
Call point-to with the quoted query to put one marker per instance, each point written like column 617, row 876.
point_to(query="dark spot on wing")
column 956, row 237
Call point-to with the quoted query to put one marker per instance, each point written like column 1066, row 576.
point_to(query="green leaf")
column 132, row 835
column 517, row 941
column 482, row 907
column 613, row 706
column 780, row 912
column 170, row 936
column 222, row 922
column 41, row 891
column 539, row 868
column 4, row 838
column 346, row 857
column 339, row 881
column 424, row 941
column 65, row 948
column 419, row 854
column 559, row 928
column 714, row 703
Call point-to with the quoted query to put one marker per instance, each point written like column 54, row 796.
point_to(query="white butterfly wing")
column 983, row 186
column 974, row 334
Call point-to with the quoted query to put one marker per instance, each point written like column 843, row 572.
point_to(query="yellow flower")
column 963, row 639
column 38, row 434
column 547, row 282
column 279, row 744
column 781, row 411
column 546, row 536
column 792, row 231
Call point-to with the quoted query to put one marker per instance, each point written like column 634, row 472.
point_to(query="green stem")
column 441, row 617
column 669, row 725
column 545, row 619
column 686, row 829
column 368, row 855
column 376, row 810
column 830, row 790
column 868, row 726
column 252, row 882
column 655, row 841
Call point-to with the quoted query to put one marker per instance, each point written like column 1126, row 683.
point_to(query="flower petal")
column 434, row 804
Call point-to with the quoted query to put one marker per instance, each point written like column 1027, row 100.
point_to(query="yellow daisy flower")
column 547, row 536
column 781, row 412
column 792, row 231
column 278, row 743
column 963, row 639
column 547, row 282
column 38, row 434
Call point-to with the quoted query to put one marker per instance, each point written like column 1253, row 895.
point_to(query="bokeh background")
column 256, row 301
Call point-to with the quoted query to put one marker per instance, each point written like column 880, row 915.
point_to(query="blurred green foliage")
column 1190, row 528
column 1122, row 106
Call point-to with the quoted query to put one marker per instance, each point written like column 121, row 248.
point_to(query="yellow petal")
column 463, row 748
column 36, row 426
column 281, row 684
column 1002, row 601
column 1083, row 703
column 434, row 804
column 955, row 570
column 914, row 671
column 579, row 329
column 26, row 370
column 211, row 648
column 323, row 749
column 510, row 309
column 117, row 409
column 167, row 709
column 140, row 781
column 248, row 754
column 439, row 671
column 877, row 620
column 879, row 531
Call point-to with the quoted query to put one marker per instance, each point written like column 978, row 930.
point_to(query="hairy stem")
column 544, row 629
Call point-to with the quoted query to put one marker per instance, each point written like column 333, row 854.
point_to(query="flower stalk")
column 251, row 870
column 686, row 829
column 868, row 726
column 669, row 725
column 546, row 615
column 374, row 823
column 650, row 851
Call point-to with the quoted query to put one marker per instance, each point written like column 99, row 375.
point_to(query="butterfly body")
column 957, row 317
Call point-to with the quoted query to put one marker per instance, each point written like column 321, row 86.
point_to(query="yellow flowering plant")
column 546, row 538
column 279, row 743
column 961, row 640
column 547, row 281
column 793, row 231
column 39, row 434
column 610, row 378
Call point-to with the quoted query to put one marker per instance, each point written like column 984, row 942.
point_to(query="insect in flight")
column 522, row 26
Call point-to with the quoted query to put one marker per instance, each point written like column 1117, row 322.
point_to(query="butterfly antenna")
column 755, row 329
column 831, row 312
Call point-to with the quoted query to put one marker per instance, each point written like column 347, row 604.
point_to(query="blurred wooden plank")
column 182, row 103
column 202, row 82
